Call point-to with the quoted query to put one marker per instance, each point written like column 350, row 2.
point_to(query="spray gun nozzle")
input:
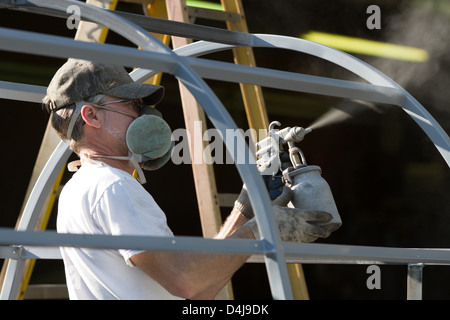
column 296, row 134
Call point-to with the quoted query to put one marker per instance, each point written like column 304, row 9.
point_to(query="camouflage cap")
column 78, row 79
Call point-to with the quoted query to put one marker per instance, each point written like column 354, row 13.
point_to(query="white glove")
column 297, row 225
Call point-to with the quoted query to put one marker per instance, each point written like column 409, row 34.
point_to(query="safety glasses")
column 136, row 104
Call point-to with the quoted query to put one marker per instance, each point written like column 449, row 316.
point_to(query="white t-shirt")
column 100, row 199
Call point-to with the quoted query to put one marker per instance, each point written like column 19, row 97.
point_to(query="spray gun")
column 269, row 149
column 310, row 190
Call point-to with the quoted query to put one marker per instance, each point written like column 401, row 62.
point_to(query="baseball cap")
column 80, row 79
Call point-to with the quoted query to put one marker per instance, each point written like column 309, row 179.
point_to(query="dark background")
column 389, row 181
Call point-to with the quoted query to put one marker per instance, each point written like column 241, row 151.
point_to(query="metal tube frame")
column 414, row 283
column 190, row 72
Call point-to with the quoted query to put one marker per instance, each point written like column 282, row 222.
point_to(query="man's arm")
column 194, row 275
column 201, row 276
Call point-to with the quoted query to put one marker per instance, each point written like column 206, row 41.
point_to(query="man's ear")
column 90, row 115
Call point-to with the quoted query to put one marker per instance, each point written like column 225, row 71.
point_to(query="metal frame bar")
column 151, row 24
column 44, row 245
column 26, row 92
column 414, row 282
column 189, row 71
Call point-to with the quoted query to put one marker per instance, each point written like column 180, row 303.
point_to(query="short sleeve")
column 126, row 208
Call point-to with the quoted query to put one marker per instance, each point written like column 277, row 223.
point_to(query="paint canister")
column 312, row 192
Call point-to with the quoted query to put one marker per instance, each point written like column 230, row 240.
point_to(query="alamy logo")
column 374, row 20
column 208, row 146
column 374, row 280
column 73, row 20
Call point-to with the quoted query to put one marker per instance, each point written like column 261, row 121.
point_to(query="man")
column 94, row 105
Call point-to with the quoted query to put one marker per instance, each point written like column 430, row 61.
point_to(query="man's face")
column 118, row 115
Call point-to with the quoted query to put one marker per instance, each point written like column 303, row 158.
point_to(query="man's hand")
column 294, row 224
column 278, row 192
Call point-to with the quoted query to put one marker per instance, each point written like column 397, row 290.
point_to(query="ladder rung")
column 46, row 291
column 214, row 14
column 227, row 199
column 198, row 12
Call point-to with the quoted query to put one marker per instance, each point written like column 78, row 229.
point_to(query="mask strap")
column 132, row 160
column 138, row 169
column 73, row 166
column 73, row 119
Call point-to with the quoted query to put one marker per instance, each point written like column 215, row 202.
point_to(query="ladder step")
column 46, row 291
column 214, row 14
column 227, row 199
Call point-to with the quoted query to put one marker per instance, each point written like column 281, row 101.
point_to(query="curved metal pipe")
column 360, row 68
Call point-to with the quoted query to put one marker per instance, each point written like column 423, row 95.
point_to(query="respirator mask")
column 148, row 138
